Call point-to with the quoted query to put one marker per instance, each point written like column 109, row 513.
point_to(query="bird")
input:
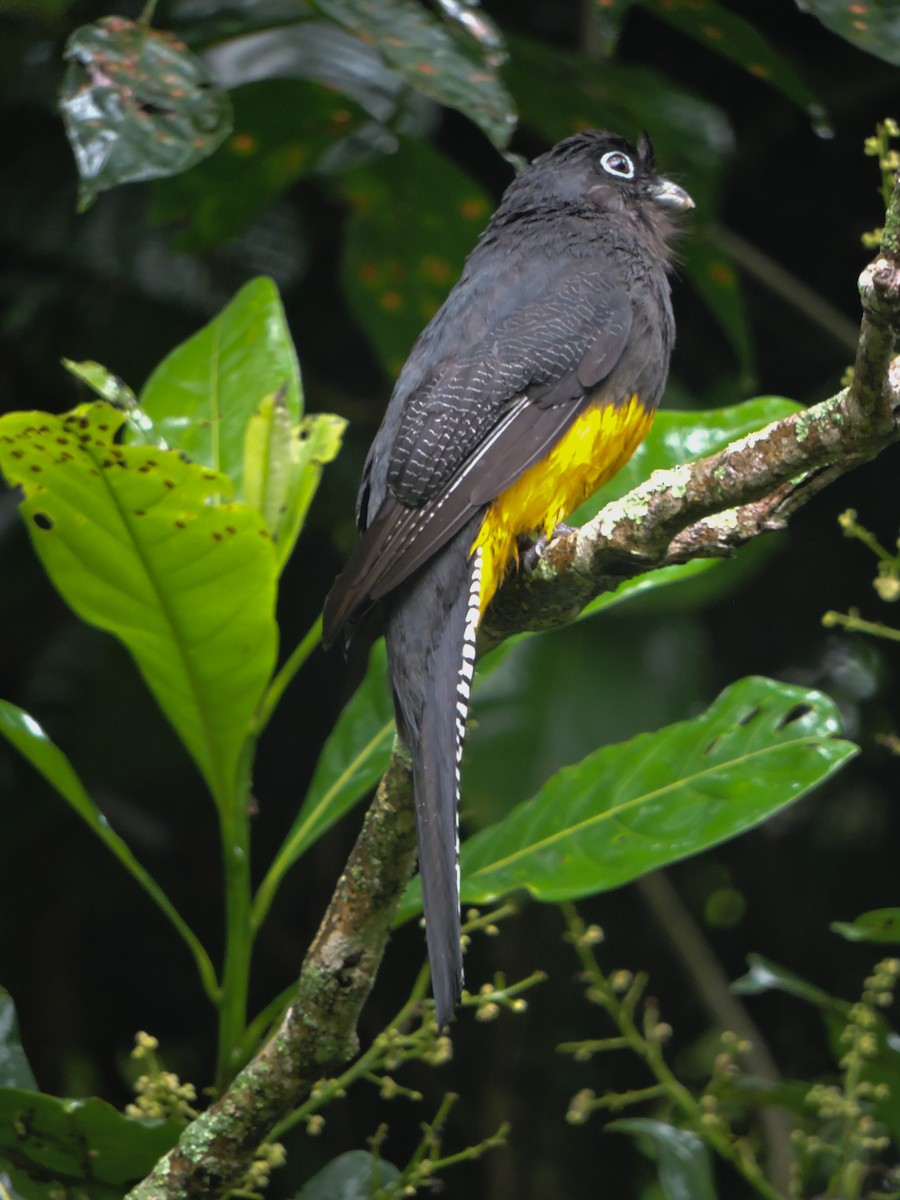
column 529, row 388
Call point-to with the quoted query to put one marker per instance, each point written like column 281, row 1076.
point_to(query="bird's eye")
column 614, row 162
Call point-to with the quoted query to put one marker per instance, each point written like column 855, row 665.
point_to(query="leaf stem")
column 648, row 1048
column 146, row 17
column 277, row 687
column 234, row 824
column 856, row 624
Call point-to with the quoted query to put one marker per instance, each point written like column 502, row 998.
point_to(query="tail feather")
column 431, row 644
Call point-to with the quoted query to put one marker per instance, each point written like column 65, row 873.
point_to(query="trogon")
column 528, row 389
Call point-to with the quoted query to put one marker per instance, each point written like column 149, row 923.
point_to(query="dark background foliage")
column 85, row 957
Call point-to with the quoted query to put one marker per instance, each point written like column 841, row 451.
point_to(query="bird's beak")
column 671, row 195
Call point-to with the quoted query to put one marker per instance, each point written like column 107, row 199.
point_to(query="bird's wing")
column 482, row 419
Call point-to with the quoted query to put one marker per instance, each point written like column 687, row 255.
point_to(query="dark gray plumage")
column 563, row 303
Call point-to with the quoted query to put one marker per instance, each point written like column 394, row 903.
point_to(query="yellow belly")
column 597, row 445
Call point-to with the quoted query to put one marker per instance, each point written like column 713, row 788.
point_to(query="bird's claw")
column 531, row 550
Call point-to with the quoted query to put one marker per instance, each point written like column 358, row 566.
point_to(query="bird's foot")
column 531, row 550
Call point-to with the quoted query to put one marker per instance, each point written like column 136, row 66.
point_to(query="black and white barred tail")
column 431, row 633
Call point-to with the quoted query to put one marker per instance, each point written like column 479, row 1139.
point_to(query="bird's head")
column 601, row 172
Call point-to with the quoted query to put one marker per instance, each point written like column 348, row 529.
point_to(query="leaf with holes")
column 456, row 73
column 110, row 387
column 283, row 467
column 132, row 538
column 415, row 218
column 632, row 808
column 137, row 105
column 203, row 395
column 316, row 443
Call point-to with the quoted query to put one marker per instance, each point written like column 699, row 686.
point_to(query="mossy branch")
column 318, row 1030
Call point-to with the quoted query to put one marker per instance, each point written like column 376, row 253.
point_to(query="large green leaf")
column 14, row 1068
column 682, row 1158
column 415, row 218
column 202, row 396
column 137, row 105
column 351, row 1176
column 873, row 26
column 282, row 128
column 655, row 799
column 48, row 1144
column 459, row 74
column 352, row 761
column 133, row 540
column 24, row 733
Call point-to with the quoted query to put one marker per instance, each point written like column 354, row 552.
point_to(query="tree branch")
column 706, row 508
column 318, row 1031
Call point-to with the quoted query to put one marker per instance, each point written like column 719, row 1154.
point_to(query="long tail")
column 431, row 633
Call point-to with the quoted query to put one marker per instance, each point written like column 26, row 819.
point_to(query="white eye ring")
column 615, row 162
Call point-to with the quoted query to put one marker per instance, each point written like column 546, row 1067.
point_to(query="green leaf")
column 641, row 585
column 880, row 925
column 115, row 390
column 352, row 1176
column 106, row 385
column 682, row 1158
column 650, row 801
column 874, row 27
column 283, row 467
column 261, row 159
column 317, row 443
column 14, row 1068
column 48, row 1143
column 132, row 540
column 415, row 218
column 764, row 976
column 137, row 105
column 268, row 459
column 351, row 763
column 24, row 733
column 202, row 396
column 736, row 39
column 457, row 74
